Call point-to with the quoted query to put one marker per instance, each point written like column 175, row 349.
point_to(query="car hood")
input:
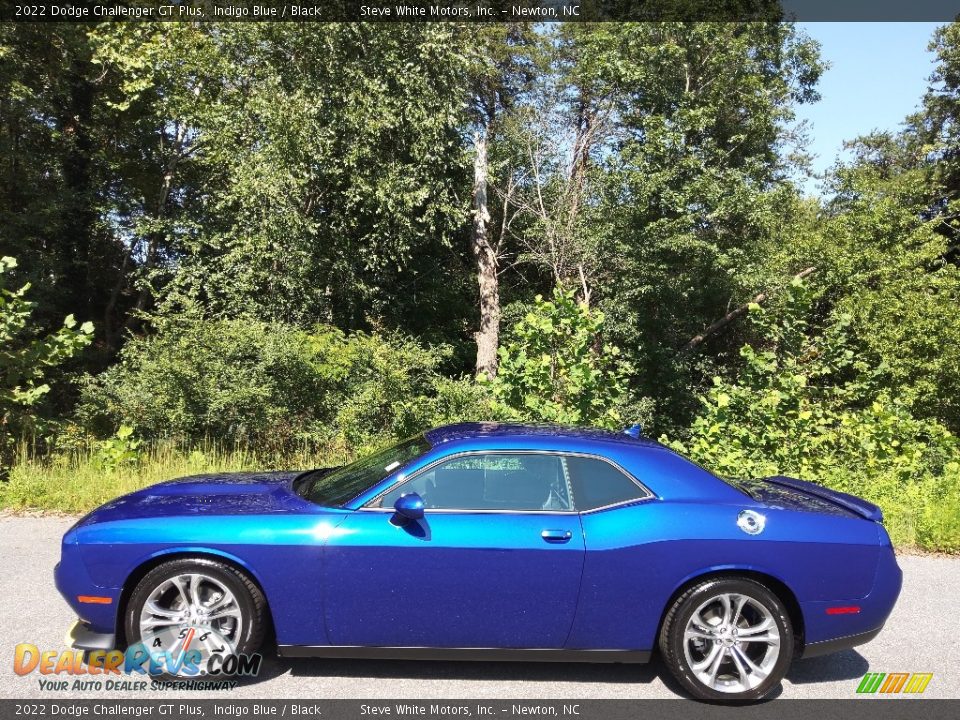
column 249, row 493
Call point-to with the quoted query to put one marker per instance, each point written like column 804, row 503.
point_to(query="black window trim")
column 648, row 494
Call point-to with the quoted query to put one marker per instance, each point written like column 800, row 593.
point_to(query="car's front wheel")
column 187, row 616
column 727, row 639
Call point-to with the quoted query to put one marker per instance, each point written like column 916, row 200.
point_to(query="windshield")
column 334, row 488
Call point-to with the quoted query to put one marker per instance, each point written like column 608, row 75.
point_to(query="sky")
column 877, row 76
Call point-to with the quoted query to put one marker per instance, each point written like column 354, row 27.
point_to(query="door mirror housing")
column 409, row 507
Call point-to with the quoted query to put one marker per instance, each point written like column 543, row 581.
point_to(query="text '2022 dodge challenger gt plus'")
column 490, row 541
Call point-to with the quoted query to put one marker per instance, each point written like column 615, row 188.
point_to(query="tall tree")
column 564, row 127
column 692, row 182
column 161, row 79
column 931, row 140
column 888, row 245
column 488, row 336
column 503, row 62
column 303, row 173
column 53, row 170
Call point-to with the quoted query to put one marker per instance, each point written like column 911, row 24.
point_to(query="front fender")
column 283, row 554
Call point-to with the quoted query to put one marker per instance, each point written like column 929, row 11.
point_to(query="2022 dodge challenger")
column 492, row 541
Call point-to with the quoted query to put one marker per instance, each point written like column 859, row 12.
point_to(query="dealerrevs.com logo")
column 894, row 683
column 211, row 669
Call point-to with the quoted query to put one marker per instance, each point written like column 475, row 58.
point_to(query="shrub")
column 121, row 449
column 390, row 387
column 25, row 360
column 804, row 404
column 555, row 367
column 233, row 380
column 274, row 387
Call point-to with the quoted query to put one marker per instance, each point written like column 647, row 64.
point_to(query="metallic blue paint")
column 602, row 579
column 409, row 507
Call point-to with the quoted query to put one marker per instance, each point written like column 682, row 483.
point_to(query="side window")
column 597, row 484
column 496, row 481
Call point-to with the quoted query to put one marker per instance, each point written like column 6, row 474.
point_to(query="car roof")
column 665, row 473
column 533, row 432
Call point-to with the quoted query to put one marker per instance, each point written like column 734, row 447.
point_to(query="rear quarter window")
column 597, row 484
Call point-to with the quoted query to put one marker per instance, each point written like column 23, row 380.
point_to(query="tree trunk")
column 578, row 174
column 488, row 337
column 717, row 325
column 76, row 246
column 154, row 240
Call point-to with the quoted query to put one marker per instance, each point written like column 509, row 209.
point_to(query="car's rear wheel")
column 727, row 639
column 190, row 614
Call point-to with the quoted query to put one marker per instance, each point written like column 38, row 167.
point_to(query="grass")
column 926, row 516
column 80, row 481
column 921, row 506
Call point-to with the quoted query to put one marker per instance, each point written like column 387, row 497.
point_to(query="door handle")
column 556, row 536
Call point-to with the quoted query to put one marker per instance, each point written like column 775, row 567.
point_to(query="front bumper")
column 81, row 637
column 73, row 583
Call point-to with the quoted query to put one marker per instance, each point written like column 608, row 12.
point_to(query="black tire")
column 679, row 614
column 252, row 603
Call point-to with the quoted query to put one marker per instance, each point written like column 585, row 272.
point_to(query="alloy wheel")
column 191, row 611
column 731, row 643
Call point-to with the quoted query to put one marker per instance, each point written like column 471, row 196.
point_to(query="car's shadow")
column 846, row 665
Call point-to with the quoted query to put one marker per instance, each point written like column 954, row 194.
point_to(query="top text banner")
column 93, row 11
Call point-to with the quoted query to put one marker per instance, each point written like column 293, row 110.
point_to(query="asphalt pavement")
column 920, row 636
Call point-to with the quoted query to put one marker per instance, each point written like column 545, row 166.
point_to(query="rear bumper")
column 826, row 632
column 827, row 647
column 81, row 637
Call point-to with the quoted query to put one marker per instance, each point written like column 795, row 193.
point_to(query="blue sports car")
column 490, row 541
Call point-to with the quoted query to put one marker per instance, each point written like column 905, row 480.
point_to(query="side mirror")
column 409, row 507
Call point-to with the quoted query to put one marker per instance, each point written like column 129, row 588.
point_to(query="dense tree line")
column 424, row 178
column 294, row 197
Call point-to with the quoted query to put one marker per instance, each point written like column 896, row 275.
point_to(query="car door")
column 495, row 562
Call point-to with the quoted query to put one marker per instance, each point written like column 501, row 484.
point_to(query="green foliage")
column 386, row 387
column 50, row 172
column 237, row 381
column 806, row 403
column 77, row 481
column 333, row 161
column 273, row 386
column 270, row 224
column 556, row 367
column 691, row 190
column 26, row 361
column 887, row 264
column 121, row 449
